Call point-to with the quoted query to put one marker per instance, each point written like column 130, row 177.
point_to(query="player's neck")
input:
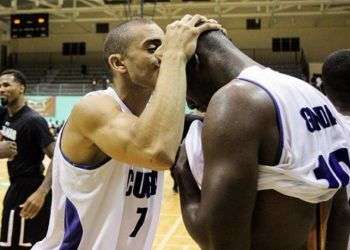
column 230, row 68
column 133, row 96
column 239, row 61
column 14, row 107
column 343, row 109
column 340, row 101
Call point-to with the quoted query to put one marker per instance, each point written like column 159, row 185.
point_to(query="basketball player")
column 116, row 142
column 272, row 147
column 336, row 80
column 26, row 211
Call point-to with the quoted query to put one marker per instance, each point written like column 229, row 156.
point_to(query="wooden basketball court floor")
column 171, row 233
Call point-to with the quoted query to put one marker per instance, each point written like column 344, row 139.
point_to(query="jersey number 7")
column 143, row 212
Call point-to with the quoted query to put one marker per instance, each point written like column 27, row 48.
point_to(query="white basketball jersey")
column 347, row 118
column 107, row 206
column 314, row 140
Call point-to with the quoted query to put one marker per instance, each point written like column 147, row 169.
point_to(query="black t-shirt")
column 32, row 135
column 3, row 112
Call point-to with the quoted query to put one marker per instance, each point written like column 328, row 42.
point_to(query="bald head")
column 336, row 71
column 209, row 69
column 336, row 79
column 214, row 45
column 119, row 38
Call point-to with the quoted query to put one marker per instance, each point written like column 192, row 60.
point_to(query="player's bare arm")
column 32, row 206
column 46, row 185
column 114, row 132
column 232, row 136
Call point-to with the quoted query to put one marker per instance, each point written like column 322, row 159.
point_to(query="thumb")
column 24, row 204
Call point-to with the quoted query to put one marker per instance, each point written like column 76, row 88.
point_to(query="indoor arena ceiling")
column 102, row 11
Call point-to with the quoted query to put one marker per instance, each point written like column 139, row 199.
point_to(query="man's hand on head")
column 181, row 36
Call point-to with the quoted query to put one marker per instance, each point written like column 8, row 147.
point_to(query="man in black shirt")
column 26, row 208
column 8, row 149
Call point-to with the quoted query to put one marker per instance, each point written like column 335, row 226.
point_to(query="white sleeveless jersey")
column 347, row 118
column 314, row 140
column 107, row 206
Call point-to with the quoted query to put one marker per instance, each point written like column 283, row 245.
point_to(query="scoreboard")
column 29, row 25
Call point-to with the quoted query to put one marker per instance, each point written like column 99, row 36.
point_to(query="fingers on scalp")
column 197, row 19
column 186, row 18
column 209, row 26
column 212, row 20
column 173, row 24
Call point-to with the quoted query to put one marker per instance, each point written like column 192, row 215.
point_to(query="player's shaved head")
column 203, row 78
column 119, row 38
column 336, row 70
column 336, row 77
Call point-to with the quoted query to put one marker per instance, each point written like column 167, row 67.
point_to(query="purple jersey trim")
column 82, row 166
column 278, row 118
column 73, row 230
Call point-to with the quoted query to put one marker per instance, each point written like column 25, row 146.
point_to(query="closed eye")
column 152, row 45
column 152, row 48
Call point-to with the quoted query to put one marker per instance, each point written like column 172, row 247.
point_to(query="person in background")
column 26, row 209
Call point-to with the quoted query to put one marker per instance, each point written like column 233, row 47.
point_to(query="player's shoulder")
column 92, row 108
column 240, row 104
column 240, row 96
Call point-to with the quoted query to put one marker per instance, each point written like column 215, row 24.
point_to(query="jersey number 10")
column 333, row 171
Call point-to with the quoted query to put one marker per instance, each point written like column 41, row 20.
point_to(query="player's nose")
column 159, row 54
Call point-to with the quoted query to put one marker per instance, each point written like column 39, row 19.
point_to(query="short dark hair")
column 336, row 71
column 119, row 38
column 18, row 75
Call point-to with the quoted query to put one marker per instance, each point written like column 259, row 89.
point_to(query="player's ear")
column 116, row 63
column 196, row 59
column 22, row 88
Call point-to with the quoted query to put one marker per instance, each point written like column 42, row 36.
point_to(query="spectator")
column 94, row 83
column 28, row 195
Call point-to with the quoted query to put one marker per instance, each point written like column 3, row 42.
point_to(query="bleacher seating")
column 64, row 74
column 289, row 69
column 77, row 78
